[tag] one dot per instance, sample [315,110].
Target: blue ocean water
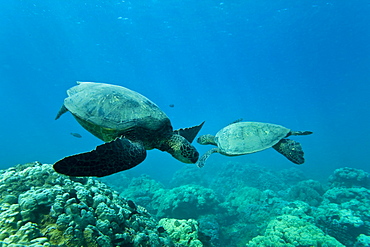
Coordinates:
[301,64]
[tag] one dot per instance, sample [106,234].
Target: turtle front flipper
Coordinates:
[202,160]
[115,156]
[291,149]
[207,140]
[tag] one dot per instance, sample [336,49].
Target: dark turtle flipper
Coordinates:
[189,133]
[290,149]
[118,155]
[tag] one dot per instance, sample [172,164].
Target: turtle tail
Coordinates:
[62,110]
[202,160]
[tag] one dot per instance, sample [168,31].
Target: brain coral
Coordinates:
[43,208]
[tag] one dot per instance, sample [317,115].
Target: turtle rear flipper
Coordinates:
[300,133]
[291,149]
[62,110]
[189,133]
[118,155]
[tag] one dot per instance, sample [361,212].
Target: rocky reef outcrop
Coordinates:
[233,206]
[290,231]
[42,208]
[248,205]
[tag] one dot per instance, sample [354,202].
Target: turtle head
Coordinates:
[180,148]
[206,140]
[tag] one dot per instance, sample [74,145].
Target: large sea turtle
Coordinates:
[128,122]
[249,137]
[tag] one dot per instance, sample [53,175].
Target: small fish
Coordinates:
[171,105]
[131,204]
[76,135]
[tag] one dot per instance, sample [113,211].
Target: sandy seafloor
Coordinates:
[234,204]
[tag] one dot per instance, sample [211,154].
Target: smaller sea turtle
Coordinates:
[241,138]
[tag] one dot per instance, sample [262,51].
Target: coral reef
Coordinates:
[349,177]
[252,205]
[42,207]
[39,207]
[248,210]
[309,191]
[234,175]
[344,214]
[187,201]
[184,202]
[238,203]
[239,198]
[209,230]
[299,209]
[117,181]
[362,241]
[183,232]
[142,190]
[289,231]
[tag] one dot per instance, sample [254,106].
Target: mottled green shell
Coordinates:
[109,111]
[249,137]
